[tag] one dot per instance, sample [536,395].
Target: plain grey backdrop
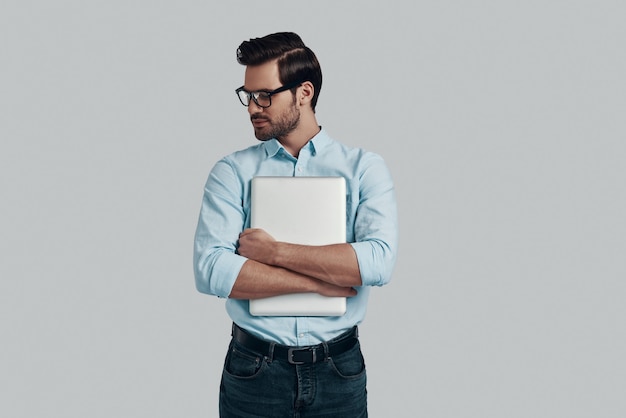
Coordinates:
[502,123]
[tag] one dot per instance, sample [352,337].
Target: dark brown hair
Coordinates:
[296,61]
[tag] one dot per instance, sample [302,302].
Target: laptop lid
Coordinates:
[300,210]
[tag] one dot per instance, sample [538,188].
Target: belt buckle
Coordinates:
[291,351]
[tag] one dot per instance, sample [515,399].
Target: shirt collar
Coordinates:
[272,146]
[316,144]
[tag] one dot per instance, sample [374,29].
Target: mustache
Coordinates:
[257,116]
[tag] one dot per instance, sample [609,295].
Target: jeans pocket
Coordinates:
[349,365]
[242,363]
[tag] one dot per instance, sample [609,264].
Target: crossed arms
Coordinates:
[276,268]
[251,264]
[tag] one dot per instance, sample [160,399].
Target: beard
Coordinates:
[278,127]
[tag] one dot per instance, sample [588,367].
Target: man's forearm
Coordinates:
[257,280]
[336,264]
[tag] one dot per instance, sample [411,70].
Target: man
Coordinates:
[260,377]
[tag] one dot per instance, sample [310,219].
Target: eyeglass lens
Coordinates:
[261,98]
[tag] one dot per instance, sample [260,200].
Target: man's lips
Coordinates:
[258,122]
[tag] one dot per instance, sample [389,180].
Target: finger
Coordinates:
[249,231]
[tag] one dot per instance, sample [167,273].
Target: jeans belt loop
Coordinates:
[326,351]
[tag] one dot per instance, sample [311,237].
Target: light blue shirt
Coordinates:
[371,229]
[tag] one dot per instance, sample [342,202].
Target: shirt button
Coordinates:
[299,169]
[301,335]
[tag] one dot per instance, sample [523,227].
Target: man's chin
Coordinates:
[261,136]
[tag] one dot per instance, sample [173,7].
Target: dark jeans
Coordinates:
[254,385]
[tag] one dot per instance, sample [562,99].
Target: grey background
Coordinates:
[502,123]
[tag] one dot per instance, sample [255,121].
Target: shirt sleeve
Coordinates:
[221,220]
[376,223]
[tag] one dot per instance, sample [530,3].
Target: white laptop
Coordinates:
[300,210]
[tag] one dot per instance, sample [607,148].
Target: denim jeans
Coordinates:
[254,385]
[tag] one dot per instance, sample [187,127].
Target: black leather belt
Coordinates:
[296,355]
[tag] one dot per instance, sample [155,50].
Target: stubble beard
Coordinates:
[280,127]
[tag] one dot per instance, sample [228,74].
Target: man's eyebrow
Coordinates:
[258,90]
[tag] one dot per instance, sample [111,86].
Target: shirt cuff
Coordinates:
[225,272]
[372,264]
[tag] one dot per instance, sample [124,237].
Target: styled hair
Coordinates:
[296,61]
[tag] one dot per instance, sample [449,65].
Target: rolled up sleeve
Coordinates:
[221,220]
[376,224]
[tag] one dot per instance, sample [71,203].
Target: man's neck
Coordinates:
[298,138]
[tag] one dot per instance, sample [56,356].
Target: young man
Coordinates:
[287,366]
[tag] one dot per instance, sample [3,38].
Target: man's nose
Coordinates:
[254,108]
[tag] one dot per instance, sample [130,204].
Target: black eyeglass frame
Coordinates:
[255,94]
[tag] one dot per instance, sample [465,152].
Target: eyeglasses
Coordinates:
[262,98]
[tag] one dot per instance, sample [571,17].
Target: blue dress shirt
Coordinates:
[371,229]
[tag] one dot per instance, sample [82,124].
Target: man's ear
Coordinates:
[305,93]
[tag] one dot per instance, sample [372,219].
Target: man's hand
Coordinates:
[257,245]
[330,290]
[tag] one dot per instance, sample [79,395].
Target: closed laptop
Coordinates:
[300,210]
